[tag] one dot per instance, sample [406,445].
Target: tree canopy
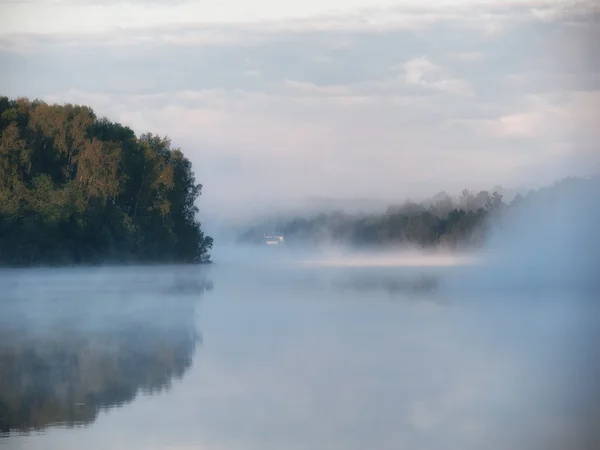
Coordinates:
[461,223]
[75,188]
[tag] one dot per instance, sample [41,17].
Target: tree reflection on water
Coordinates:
[71,350]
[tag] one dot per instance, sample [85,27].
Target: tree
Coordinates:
[494,203]
[78,189]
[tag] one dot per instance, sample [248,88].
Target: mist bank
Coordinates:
[463,223]
[549,242]
[78,189]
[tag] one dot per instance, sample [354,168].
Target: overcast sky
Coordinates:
[338,98]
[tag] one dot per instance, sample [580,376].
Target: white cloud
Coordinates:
[538,118]
[308,87]
[252,72]
[417,69]
[528,124]
[420,71]
[583,112]
[73,16]
[468,56]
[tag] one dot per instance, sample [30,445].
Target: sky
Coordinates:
[278,101]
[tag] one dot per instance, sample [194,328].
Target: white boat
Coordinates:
[273,239]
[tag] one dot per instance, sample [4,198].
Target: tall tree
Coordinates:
[75,188]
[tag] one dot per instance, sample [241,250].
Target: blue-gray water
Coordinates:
[274,356]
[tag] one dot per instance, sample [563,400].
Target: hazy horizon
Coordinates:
[275,103]
[422,328]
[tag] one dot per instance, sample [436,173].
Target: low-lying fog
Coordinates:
[273,348]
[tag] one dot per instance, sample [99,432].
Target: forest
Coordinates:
[78,189]
[460,223]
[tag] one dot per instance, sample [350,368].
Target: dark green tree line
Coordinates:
[439,221]
[75,188]
[409,224]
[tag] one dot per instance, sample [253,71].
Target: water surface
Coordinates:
[255,356]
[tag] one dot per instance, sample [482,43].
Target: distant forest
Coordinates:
[78,189]
[463,223]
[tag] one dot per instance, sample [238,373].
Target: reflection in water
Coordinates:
[71,346]
[294,358]
[395,286]
[402,283]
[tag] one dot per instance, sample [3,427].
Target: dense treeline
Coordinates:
[440,221]
[78,189]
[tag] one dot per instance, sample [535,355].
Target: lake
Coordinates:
[244,355]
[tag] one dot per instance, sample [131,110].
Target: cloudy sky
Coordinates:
[282,100]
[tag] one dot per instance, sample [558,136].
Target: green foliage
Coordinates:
[437,222]
[78,189]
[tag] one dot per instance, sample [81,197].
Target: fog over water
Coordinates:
[295,108]
[271,348]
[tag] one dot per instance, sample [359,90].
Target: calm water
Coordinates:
[250,356]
